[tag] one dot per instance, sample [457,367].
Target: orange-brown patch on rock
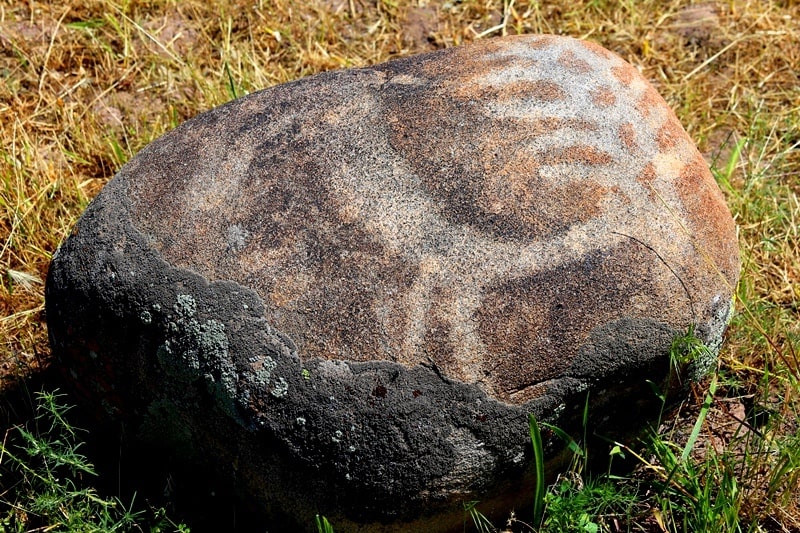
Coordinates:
[508,185]
[535,128]
[627,135]
[519,195]
[546,91]
[513,188]
[577,153]
[625,73]
[603,97]
[596,49]
[573,62]
[349,214]
[670,133]
[646,179]
[709,217]
[648,101]
[532,128]
[571,208]
[465,79]
[287,293]
[467,64]
[580,124]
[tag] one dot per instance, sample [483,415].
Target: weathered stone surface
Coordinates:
[350,290]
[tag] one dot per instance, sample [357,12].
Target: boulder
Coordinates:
[349,291]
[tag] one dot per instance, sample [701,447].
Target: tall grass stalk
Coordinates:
[538,460]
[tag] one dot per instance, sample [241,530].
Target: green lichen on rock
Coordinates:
[280,388]
[261,375]
[195,350]
[183,365]
[185,306]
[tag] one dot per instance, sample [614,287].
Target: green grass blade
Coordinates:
[232,92]
[573,446]
[482,524]
[538,459]
[698,425]
[323,526]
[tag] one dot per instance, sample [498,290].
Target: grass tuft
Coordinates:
[50,480]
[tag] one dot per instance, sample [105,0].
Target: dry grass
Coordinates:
[84,86]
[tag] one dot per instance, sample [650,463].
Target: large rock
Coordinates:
[350,290]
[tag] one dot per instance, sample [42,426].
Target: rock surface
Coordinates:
[350,290]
